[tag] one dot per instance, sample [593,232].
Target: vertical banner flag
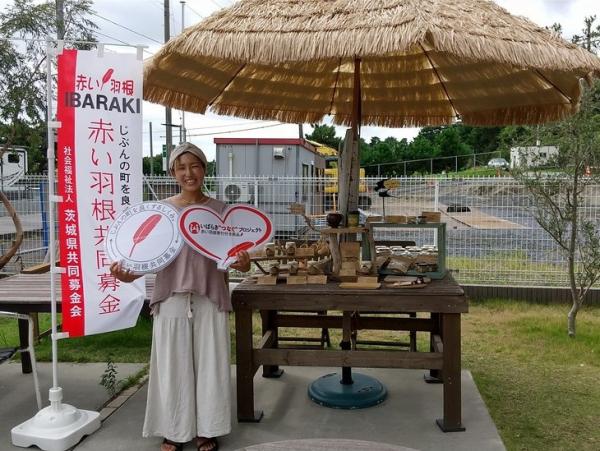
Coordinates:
[99,158]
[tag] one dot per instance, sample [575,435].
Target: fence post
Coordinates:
[43,196]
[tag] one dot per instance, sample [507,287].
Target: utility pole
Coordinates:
[167,24]
[60,19]
[182,129]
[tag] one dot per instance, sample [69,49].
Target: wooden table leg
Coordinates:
[434,376]
[452,421]
[24,343]
[245,367]
[268,322]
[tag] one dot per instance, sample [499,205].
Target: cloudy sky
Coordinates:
[141,22]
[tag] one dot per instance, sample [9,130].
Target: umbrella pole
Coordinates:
[350,203]
[352,391]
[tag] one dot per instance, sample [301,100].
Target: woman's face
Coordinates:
[189,172]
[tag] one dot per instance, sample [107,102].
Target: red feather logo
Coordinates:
[240,247]
[144,230]
[106,77]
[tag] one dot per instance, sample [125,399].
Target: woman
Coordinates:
[189,383]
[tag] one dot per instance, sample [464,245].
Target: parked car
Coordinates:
[498,163]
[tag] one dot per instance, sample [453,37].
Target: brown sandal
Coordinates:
[178,446]
[207,444]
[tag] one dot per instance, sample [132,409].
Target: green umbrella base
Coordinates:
[365,391]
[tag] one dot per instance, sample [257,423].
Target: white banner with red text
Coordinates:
[99,156]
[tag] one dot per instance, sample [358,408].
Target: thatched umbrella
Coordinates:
[394,63]
[410,62]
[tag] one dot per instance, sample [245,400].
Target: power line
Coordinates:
[192,10]
[215,3]
[235,131]
[209,127]
[118,40]
[126,28]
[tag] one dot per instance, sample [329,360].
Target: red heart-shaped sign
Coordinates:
[221,236]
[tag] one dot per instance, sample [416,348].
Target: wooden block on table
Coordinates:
[359,285]
[266,280]
[296,280]
[350,265]
[426,259]
[432,216]
[396,219]
[317,280]
[367,279]
[343,278]
[350,249]
[305,252]
[374,218]
[348,271]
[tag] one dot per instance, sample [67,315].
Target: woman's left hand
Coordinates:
[242,263]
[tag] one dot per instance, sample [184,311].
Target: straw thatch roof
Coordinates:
[423,62]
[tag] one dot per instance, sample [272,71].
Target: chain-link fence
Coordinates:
[492,236]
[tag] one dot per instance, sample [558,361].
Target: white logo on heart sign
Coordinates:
[221,236]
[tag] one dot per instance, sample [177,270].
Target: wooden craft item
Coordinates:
[322,249]
[297,209]
[347,272]
[360,286]
[405,285]
[293,268]
[365,269]
[274,270]
[305,252]
[432,216]
[364,279]
[296,280]
[317,280]
[266,280]
[397,219]
[426,259]
[350,250]
[342,278]
[392,279]
[350,265]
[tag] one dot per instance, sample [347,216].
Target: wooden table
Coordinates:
[30,293]
[443,300]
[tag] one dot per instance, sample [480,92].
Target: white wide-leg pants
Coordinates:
[189,382]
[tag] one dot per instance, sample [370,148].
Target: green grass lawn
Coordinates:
[540,386]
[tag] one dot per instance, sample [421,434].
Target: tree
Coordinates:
[325,134]
[559,199]
[590,39]
[23,107]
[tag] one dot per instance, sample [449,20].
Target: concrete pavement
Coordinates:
[405,419]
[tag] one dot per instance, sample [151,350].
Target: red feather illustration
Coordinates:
[240,247]
[106,77]
[144,230]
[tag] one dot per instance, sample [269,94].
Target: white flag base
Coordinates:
[57,427]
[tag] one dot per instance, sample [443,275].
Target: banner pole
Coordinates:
[58,426]
[51,212]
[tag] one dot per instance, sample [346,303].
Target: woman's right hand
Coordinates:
[124,275]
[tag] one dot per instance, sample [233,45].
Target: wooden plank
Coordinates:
[245,367]
[317,280]
[451,371]
[370,358]
[362,323]
[267,340]
[266,280]
[296,280]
